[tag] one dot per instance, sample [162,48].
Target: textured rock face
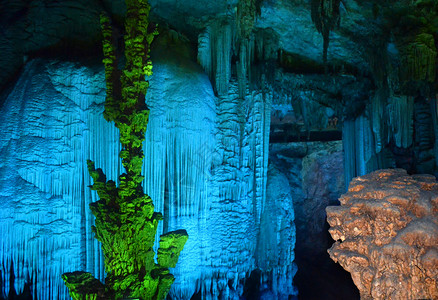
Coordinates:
[277,234]
[51,122]
[322,179]
[68,24]
[386,233]
[205,168]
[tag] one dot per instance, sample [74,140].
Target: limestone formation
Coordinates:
[386,233]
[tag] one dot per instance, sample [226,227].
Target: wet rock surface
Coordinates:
[386,233]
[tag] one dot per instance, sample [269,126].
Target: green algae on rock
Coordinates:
[126,223]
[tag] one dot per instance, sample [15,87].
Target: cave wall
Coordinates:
[50,124]
[382,94]
[400,132]
[206,164]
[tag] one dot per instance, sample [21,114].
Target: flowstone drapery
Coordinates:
[126,223]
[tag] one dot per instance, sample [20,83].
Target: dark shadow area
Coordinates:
[26,294]
[319,277]
[7,87]
[286,133]
[253,289]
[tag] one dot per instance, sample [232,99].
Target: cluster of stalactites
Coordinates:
[391,119]
[404,67]
[215,45]
[386,120]
[325,15]
[418,58]
[246,16]
[232,35]
[126,223]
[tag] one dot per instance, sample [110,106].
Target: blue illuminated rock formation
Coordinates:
[219,104]
[50,124]
[205,167]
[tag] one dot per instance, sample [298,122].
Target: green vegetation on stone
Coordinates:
[126,223]
[414,26]
[83,286]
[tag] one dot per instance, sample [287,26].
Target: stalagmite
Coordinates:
[386,234]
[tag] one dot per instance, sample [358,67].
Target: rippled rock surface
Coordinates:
[386,233]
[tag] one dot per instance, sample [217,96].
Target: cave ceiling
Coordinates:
[36,27]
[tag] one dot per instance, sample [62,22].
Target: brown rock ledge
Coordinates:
[386,233]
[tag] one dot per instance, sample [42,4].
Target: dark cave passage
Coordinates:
[318,277]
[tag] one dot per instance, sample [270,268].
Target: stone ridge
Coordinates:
[386,233]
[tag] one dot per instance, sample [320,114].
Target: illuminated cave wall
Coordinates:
[205,168]
[51,123]
[400,132]
[222,103]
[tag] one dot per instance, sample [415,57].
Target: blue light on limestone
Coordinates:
[205,168]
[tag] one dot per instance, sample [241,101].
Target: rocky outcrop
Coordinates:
[386,233]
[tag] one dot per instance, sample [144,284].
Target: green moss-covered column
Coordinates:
[126,223]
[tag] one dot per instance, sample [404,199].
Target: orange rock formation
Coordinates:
[386,233]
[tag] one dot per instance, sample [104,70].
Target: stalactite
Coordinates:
[377,113]
[227,36]
[360,155]
[215,50]
[246,16]
[348,143]
[360,135]
[240,177]
[205,58]
[246,56]
[401,109]
[232,196]
[325,15]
